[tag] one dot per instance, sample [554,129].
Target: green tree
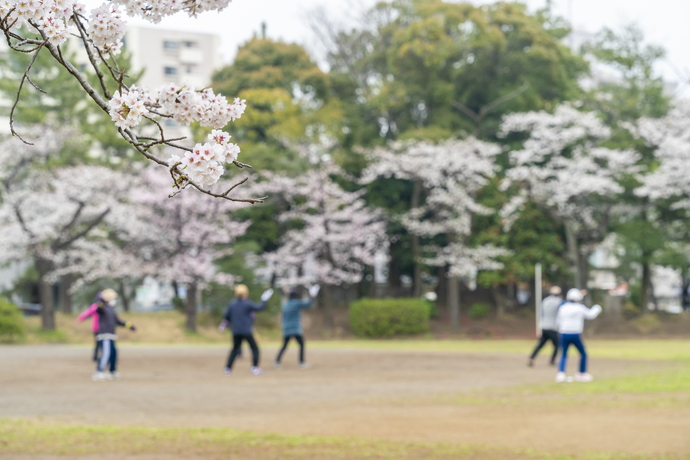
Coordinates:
[429,69]
[638,92]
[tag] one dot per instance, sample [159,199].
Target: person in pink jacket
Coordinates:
[92,312]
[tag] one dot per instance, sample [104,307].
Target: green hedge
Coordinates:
[388,317]
[11,322]
[479,310]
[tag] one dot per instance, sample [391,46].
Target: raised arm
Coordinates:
[268,293]
[591,313]
[88,312]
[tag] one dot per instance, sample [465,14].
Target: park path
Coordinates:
[380,394]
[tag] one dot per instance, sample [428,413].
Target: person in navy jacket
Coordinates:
[240,315]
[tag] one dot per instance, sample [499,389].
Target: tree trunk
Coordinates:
[191,307]
[45,294]
[500,301]
[583,269]
[417,268]
[329,323]
[65,298]
[645,285]
[394,271]
[123,294]
[442,286]
[454,302]
[573,255]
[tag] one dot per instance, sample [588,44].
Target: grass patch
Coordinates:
[21,437]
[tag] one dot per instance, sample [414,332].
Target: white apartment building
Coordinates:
[173,56]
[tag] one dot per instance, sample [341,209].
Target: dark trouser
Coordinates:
[237,347]
[286,339]
[566,341]
[97,348]
[547,335]
[108,355]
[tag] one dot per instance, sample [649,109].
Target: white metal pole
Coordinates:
[537,297]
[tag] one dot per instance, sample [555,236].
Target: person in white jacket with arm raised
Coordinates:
[571,320]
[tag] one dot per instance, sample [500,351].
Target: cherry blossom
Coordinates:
[338,235]
[670,138]
[138,113]
[563,168]
[452,173]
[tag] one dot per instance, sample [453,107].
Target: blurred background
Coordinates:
[439,152]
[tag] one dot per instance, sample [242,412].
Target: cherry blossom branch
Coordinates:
[89,53]
[58,246]
[101,36]
[24,78]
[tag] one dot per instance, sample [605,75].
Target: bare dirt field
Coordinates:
[429,397]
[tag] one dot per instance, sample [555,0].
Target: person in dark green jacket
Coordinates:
[292,322]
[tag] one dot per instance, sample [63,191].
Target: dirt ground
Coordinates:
[410,396]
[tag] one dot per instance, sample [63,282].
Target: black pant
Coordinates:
[237,347]
[546,336]
[300,341]
[97,348]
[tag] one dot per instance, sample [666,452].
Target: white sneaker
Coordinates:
[115,375]
[256,371]
[227,371]
[304,365]
[276,365]
[561,377]
[100,377]
[583,377]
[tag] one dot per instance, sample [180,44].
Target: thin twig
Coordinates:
[89,53]
[19,93]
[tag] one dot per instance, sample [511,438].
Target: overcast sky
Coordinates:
[665,22]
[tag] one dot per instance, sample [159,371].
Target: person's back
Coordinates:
[571,317]
[239,315]
[108,320]
[549,310]
[292,316]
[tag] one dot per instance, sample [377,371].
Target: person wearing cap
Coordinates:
[292,322]
[240,315]
[549,330]
[571,320]
[106,337]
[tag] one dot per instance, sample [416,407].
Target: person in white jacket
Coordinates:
[571,320]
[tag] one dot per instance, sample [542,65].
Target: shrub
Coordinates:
[479,310]
[388,317]
[11,322]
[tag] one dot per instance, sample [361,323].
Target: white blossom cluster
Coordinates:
[49,16]
[340,234]
[451,173]
[670,138]
[183,103]
[562,167]
[106,29]
[155,10]
[187,105]
[129,107]
[205,163]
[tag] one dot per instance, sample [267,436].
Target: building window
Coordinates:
[169,45]
[170,70]
[189,68]
[189,44]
